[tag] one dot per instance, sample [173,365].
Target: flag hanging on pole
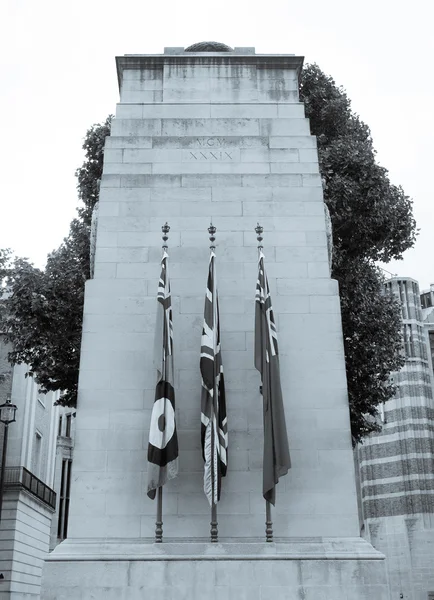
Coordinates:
[163,439]
[214,429]
[276,451]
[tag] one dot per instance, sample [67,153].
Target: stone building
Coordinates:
[31,476]
[397,466]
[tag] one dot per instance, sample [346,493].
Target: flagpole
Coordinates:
[159,520]
[268,521]
[214,523]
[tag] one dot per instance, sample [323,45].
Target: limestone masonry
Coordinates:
[221,136]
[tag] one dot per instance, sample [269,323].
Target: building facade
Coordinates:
[396,467]
[29,500]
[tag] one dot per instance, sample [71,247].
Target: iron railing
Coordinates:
[20,477]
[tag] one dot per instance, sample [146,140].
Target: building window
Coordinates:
[65,486]
[405,340]
[402,300]
[59,431]
[409,346]
[411,337]
[407,303]
[422,342]
[425,300]
[431,344]
[68,426]
[37,452]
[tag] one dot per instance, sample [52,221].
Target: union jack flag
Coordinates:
[214,427]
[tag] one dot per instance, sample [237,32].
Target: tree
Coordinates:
[372,220]
[41,313]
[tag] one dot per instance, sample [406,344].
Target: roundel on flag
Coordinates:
[162,425]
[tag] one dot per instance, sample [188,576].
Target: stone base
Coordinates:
[299,569]
[408,543]
[24,543]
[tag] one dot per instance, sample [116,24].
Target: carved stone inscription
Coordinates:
[212,149]
[214,142]
[217,153]
[209,142]
[210,155]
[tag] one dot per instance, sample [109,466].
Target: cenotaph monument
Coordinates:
[212,133]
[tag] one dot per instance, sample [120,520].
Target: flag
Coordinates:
[214,428]
[163,439]
[276,451]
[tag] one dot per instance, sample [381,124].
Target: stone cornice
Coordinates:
[156,61]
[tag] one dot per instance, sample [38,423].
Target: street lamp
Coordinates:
[7,415]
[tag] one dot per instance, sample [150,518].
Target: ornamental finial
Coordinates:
[165,229]
[259,237]
[211,231]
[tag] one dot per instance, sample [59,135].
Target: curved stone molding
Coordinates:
[209,47]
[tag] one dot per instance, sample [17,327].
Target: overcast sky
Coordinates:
[58,77]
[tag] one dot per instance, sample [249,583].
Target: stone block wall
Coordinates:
[222,138]
[25,534]
[408,544]
[220,579]
[218,137]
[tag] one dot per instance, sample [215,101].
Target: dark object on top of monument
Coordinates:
[209,47]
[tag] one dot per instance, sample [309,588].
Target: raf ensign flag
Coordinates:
[276,451]
[214,428]
[163,440]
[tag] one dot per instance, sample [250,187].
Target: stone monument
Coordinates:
[217,133]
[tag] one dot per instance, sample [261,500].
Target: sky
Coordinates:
[58,78]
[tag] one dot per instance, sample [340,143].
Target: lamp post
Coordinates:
[7,415]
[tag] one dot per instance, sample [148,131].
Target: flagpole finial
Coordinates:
[259,237]
[211,231]
[165,229]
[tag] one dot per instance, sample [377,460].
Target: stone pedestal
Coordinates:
[220,136]
[308,569]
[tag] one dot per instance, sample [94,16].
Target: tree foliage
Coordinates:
[372,220]
[89,174]
[42,310]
